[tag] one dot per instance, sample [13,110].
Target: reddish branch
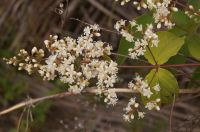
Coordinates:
[162,66]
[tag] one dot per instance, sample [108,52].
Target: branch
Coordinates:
[33,101]
[30,102]
[162,66]
[85,23]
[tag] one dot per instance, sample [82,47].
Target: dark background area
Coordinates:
[27,23]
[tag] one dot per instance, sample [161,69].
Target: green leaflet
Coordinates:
[178,31]
[166,80]
[169,45]
[194,3]
[184,23]
[124,45]
[193,44]
[180,57]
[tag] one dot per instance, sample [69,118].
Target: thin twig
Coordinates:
[33,101]
[171,114]
[20,120]
[85,23]
[64,15]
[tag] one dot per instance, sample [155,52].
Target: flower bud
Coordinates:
[34,50]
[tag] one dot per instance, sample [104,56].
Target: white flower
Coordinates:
[161,14]
[131,85]
[132,101]
[132,116]
[139,28]
[141,115]
[131,110]
[140,44]
[119,24]
[123,2]
[126,118]
[157,87]
[111,97]
[127,35]
[153,105]
[133,23]
[150,105]
[51,61]
[146,92]
[87,31]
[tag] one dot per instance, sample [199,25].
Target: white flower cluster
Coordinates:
[111,97]
[153,105]
[144,89]
[74,61]
[140,86]
[131,109]
[120,26]
[161,10]
[148,37]
[162,13]
[26,62]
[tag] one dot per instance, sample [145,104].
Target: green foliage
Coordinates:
[39,113]
[184,23]
[178,31]
[194,3]
[10,90]
[193,44]
[166,80]
[145,19]
[177,59]
[124,45]
[169,45]
[5,53]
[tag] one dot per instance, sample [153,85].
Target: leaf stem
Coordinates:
[152,55]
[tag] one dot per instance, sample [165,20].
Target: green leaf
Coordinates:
[179,58]
[178,31]
[195,4]
[166,80]
[183,22]
[193,43]
[124,45]
[168,46]
[145,19]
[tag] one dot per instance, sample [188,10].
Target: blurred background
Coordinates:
[27,23]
